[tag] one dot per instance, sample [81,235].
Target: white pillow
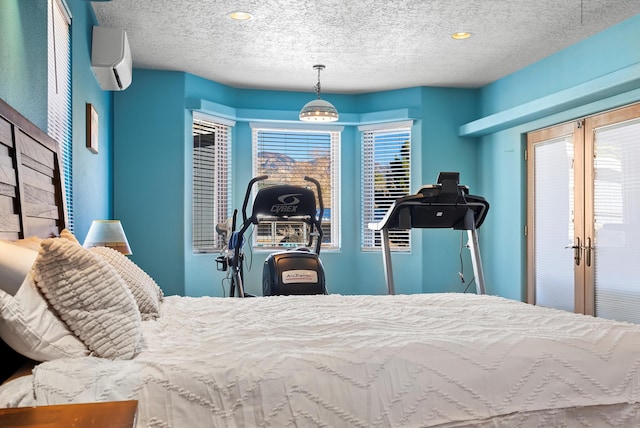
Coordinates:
[90,297]
[32,243]
[29,326]
[144,288]
[15,263]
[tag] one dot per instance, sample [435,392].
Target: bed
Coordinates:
[92,326]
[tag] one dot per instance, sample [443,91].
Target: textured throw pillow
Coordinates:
[66,234]
[29,326]
[144,288]
[90,297]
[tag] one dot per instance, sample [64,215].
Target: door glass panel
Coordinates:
[554,223]
[617,221]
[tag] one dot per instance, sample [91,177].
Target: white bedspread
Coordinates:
[445,360]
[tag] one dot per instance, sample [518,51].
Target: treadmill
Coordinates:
[444,205]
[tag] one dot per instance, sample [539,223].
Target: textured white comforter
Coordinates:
[365,361]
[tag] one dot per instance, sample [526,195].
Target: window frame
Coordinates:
[371,139]
[331,202]
[218,159]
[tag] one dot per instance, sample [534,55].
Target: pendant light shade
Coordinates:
[318,110]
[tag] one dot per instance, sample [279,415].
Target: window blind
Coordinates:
[616,210]
[386,176]
[554,223]
[59,113]
[211,183]
[287,156]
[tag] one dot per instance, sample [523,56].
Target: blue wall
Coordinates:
[142,172]
[152,170]
[600,73]
[150,124]
[23,67]
[23,58]
[92,173]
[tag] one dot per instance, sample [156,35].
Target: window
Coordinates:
[386,176]
[211,182]
[287,156]
[59,119]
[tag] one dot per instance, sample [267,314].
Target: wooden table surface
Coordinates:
[111,414]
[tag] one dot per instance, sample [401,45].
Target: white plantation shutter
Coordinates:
[286,156]
[59,117]
[211,182]
[386,176]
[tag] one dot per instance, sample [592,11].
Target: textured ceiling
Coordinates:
[366,45]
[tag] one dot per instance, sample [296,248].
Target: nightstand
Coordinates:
[110,414]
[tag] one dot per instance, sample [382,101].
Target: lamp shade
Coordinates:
[107,233]
[319,111]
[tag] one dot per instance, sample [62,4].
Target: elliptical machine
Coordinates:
[296,271]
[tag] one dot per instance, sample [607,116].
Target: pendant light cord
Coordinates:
[317,87]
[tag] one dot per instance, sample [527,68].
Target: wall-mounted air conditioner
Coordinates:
[111,58]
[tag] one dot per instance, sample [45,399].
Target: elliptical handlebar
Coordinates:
[248,193]
[320,214]
[317,184]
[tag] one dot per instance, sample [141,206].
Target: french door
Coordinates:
[583,216]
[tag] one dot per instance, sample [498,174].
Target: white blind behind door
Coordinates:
[617,221]
[554,225]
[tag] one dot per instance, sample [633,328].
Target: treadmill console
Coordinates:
[446,204]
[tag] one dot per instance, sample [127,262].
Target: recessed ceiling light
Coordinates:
[239,15]
[461,35]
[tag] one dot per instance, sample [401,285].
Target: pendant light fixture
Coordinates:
[318,110]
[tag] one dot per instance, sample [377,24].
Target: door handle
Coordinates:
[576,250]
[587,250]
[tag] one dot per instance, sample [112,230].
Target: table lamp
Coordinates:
[107,233]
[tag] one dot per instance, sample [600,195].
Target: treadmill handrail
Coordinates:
[395,206]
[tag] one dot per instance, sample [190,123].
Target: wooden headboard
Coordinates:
[31,196]
[31,193]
